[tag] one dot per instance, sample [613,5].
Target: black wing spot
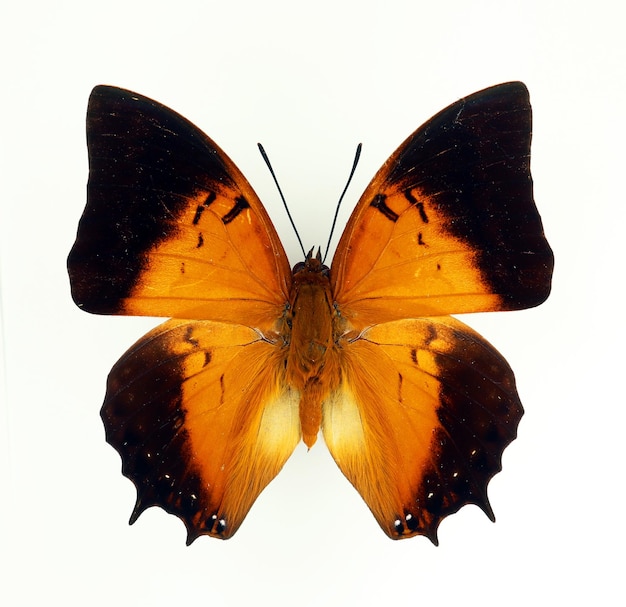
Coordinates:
[417,204]
[240,204]
[420,240]
[196,217]
[190,339]
[200,209]
[432,335]
[379,203]
[200,241]
[222,389]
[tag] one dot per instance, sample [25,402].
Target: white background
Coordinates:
[310,81]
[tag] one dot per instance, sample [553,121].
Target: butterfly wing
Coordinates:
[425,409]
[203,420]
[198,410]
[448,224]
[167,213]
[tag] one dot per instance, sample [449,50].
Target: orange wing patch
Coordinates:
[422,432]
[445,268]
[203,420]
[415,407]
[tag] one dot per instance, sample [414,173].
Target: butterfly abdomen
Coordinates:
[312,361]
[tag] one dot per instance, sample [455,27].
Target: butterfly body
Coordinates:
[312,365]
[414,406]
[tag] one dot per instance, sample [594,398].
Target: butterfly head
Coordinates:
[312,264]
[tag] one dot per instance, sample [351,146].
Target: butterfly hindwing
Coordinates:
[203,420]
[419,424]
[448,225]
[166,214]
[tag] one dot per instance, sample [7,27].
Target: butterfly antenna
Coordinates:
[293,225]
[357,155]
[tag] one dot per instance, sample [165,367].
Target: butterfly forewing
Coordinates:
[166,214]
[448,225]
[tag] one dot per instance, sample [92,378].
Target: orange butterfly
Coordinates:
[415,407]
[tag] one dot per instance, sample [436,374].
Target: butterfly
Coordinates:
[415,407]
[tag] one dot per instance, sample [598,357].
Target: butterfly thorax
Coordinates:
[312,360]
